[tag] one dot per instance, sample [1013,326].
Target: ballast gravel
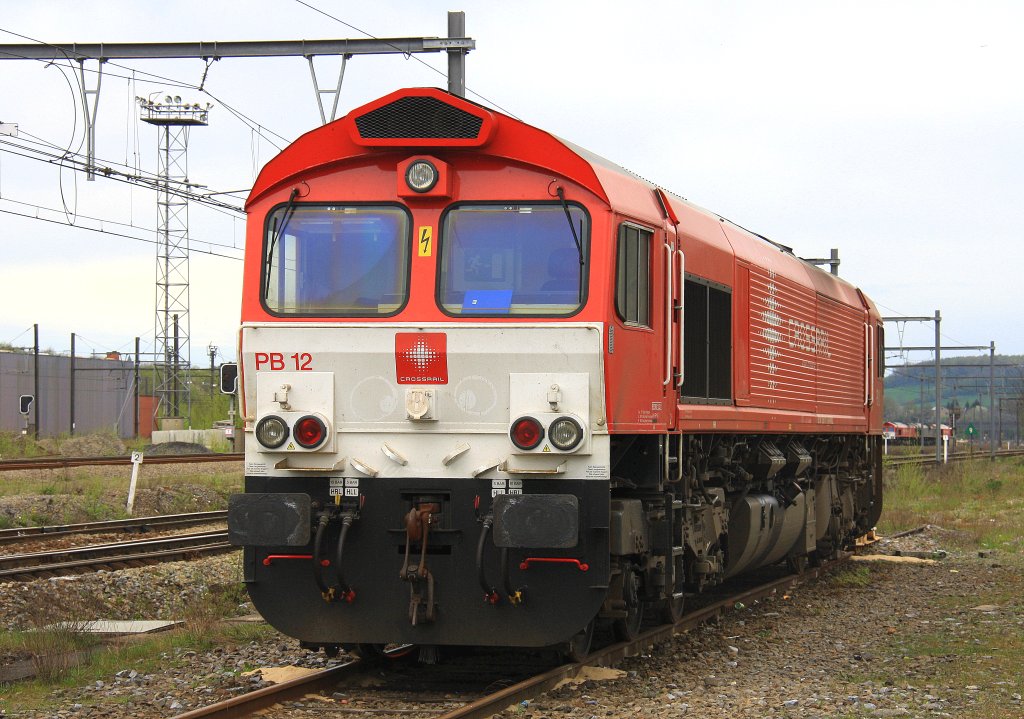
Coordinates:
[825,649]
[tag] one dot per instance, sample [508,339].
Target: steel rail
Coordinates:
[897,461]
[248,704]
[135,525]
[25,567]
[8,465]
[535,686]
[908,532]
[67,462]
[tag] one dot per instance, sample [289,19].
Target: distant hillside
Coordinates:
[964,381]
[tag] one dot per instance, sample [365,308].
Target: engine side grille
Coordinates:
[418,118]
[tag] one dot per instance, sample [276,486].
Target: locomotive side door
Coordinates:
[641,356]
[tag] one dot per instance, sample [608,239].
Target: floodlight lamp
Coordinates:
[177,99]
[167,99]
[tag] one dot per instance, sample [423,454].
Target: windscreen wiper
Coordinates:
[275,232]
[560,191]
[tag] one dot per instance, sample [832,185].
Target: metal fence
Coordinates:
[103,394]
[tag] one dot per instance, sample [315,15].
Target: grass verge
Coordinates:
[981,502]
[202,630]
[970,650]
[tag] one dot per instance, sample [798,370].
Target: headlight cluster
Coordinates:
[565,433]
[308,431]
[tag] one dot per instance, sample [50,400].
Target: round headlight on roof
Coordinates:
[421,176]
[565,433]
[271,432]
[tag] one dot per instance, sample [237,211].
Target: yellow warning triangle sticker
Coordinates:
[291,445]
[547,448]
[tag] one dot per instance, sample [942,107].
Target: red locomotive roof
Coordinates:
[433,118]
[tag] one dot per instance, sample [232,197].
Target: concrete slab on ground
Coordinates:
[109,626]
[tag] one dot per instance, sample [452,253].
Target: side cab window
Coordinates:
[633,275]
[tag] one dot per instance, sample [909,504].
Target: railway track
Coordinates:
[112,556]
[136,525]
[66,462]
[896,461]
[293,698]
[8,465]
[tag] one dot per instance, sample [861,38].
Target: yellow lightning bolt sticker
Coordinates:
[426,238]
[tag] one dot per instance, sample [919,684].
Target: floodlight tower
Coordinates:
[173,119]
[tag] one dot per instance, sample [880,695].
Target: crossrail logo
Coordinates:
[421,357]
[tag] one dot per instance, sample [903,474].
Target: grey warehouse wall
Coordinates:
[103,394]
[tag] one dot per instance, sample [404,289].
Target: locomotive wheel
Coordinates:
[380,652]
[369,652]
[672,609]
[627,629]
[797,563]
[825,552]
[577,648]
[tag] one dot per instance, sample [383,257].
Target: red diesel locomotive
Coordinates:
[497,389]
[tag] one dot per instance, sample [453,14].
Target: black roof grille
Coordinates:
[419,118]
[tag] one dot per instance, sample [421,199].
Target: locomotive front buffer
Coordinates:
[377,545]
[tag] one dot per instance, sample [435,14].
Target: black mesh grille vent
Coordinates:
[418,117]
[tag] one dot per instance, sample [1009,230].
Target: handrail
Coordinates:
[679,314]
[668,315]
[867,365]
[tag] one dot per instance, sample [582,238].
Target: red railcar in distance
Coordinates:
[901,432]
[498,389]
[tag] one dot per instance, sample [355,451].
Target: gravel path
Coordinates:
[841,646]
[831,648]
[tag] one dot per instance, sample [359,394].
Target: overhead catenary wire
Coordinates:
[417,59]
[116,234]
[11,341]
[135,170]
[167,81]
[108,166]
[113,174]
[68,213]
[27,137]
[117,223]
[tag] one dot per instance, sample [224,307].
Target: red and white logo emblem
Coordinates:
[421,357]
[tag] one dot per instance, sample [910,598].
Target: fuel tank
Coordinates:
[763,532]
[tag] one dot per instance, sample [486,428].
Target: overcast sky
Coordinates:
[891,130]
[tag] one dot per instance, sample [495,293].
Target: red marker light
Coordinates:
[526,433]
[310,431]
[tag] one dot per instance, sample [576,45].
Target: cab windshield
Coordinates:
[499,260]
[343,261]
